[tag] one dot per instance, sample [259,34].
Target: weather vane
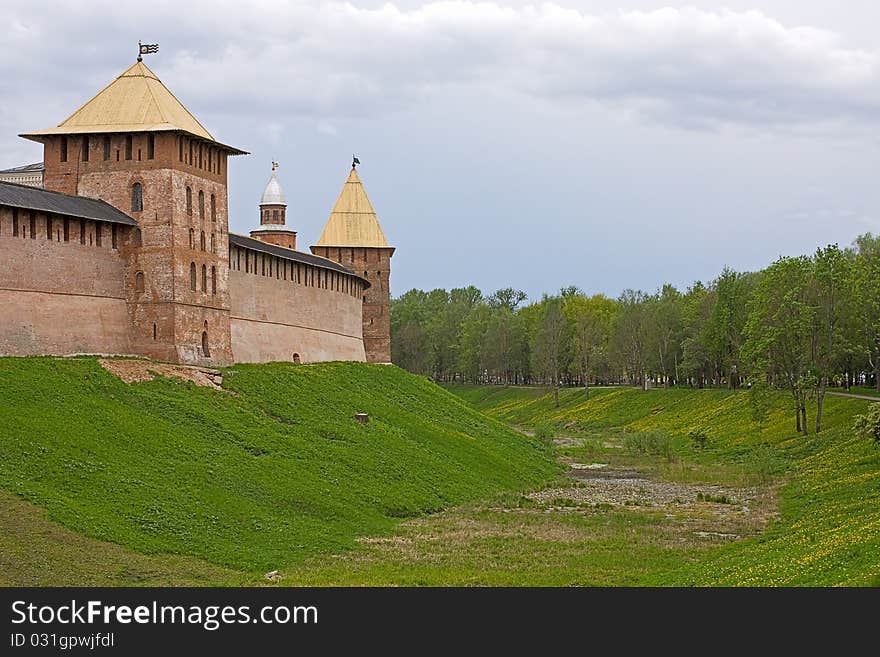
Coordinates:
[275,165]
[146,49]
[354,161]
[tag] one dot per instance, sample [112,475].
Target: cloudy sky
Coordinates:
[604,144]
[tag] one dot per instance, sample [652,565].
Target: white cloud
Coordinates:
[334,60]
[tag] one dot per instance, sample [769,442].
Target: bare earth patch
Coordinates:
[627,487]
[136,371]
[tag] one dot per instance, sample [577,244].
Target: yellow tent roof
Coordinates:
[136,101]
[353,222]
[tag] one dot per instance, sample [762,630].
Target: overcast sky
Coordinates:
[601,144]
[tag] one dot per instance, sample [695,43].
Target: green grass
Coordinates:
[262,476]
[828,530]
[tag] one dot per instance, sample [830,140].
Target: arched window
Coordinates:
[189,201]
[139,282]
[192,276]
[137,197]
[155,332]
[201,204]
[205,351]
[151,146]
[204,278]
[202,241]
[180,148]
[265,215]
[192,238]
[213,280]
[213,208]
[296,359]
[63,153]
[213,243]
[127,147]
[275,216]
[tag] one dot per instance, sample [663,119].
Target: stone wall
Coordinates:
[275,318]
[61,297]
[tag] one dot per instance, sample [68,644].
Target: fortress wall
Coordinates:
[61,297]
[273,318]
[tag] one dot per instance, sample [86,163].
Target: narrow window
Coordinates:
[190,153]
[192,238]
[85,148]
[200,156]
[213,280]
[202,241]
[66,229]
[139,285]
[151,146]
[113,236]
[213,208]
[139,155]
[14,222]
[201,205]
[213,243]
[128,144]
[33,220]
[82,231]
[180,148]
[205,351]
[192,276]
[49,227]
[98,235]
[263,265]
[247,263]
[117,155]
[137,197]
[136,237]
[155,332]
[189,201]
[204,278]
[106,147]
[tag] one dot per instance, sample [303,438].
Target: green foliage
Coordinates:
[545,432]
[760,399]
[259,477]
[655,442]
[867,425]
[699,438]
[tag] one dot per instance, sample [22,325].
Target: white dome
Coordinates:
[273,194]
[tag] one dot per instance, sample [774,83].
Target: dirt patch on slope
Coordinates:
[135,371]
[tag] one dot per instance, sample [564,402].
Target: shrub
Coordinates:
[699,438]
[867,425]
[545,432]
[655,442]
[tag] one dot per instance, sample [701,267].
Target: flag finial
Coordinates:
[354,161]
[275,165]
[146,49]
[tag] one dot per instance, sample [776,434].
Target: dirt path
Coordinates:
[854,396]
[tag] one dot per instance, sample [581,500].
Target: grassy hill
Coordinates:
[262,475]
[828,529]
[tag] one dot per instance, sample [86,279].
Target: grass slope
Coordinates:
[828,532]
[260,477]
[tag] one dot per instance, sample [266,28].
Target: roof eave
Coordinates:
[40,135]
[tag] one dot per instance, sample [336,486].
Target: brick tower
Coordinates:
[135,146]
[354,238]
[273,210]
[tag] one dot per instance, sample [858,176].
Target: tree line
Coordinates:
[803,324]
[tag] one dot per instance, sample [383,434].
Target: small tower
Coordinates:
[353,238]
[273,210]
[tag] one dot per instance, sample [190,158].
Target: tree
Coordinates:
[630,335]
[549,343]
[664,332]
[727,320]
[592,319]
[866,287]
[507,298]
[778,330]
[830,287]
